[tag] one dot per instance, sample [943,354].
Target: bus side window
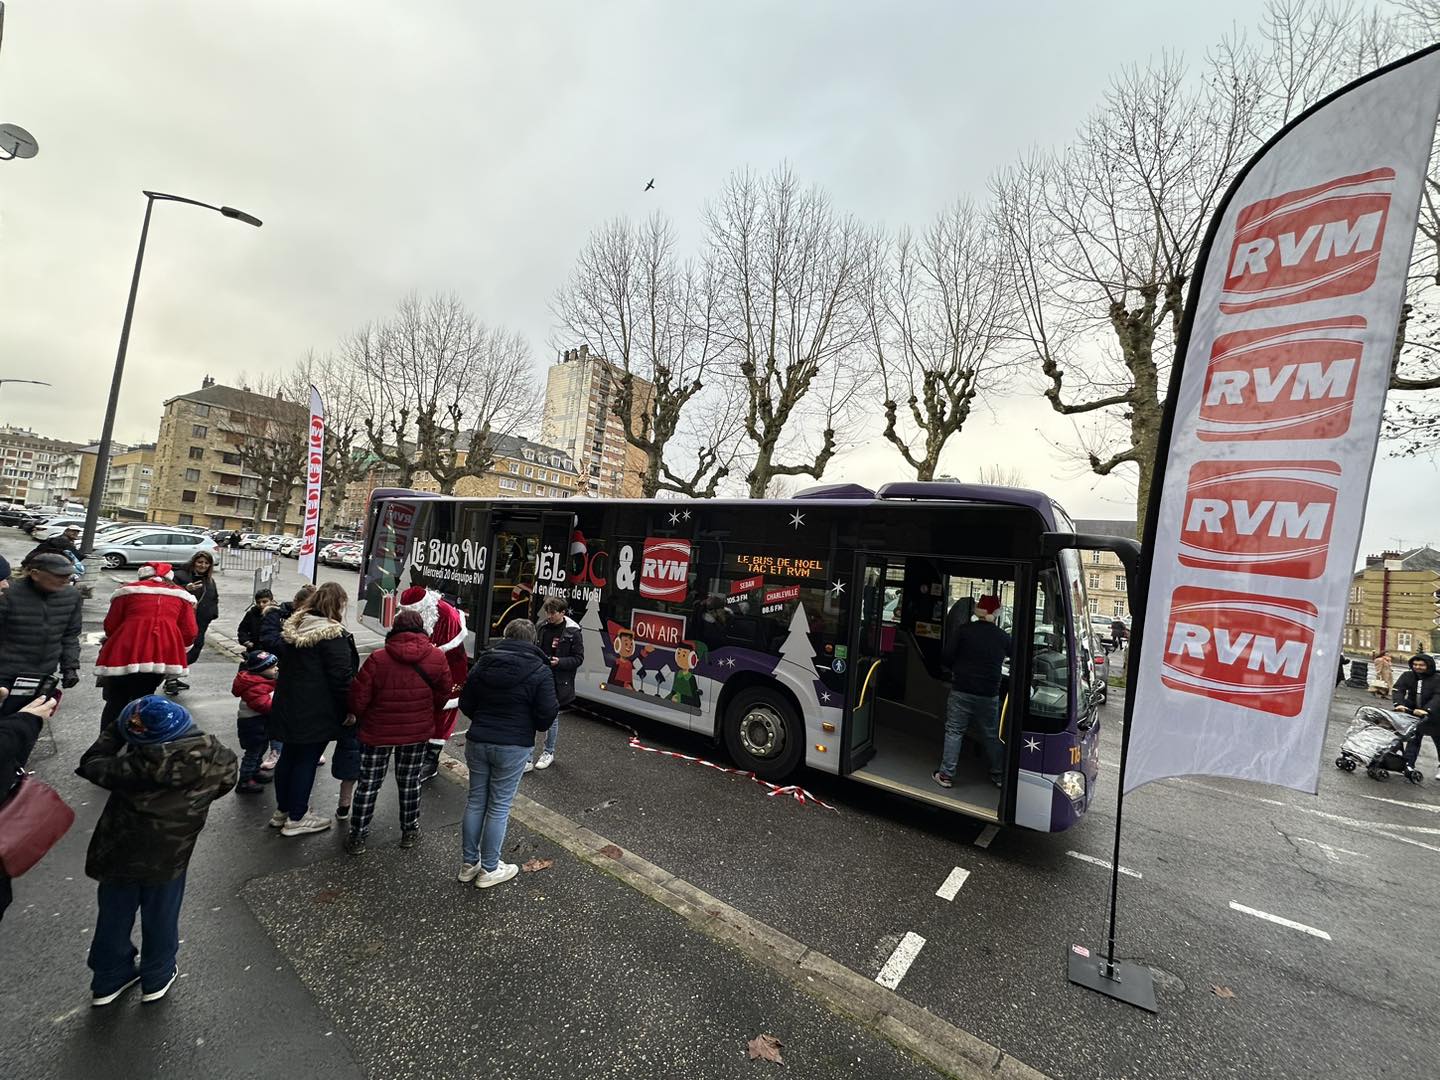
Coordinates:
[1050,656]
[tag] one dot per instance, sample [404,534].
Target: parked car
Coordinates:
[290,547]
[55,526]
[344,554]
[1100,625]
[274,541]
[250,540]
[157,544]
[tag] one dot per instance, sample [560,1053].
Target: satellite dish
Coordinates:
[15,142]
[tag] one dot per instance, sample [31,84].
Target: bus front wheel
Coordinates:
[763,734]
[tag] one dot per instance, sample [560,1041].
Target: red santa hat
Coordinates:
[156,569]
[577,543]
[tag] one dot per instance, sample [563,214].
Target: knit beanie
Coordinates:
[153,719]
[258,660]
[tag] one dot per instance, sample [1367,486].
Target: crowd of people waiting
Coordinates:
[301,690]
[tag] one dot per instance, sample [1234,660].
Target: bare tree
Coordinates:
[1102,241]
[271,438]
[440,388]
[1000,476]
[340,386]
[633,302]
[938,309]
[788,273]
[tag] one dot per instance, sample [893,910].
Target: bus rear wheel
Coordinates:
[763,734]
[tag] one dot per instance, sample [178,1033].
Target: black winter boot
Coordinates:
[431,768]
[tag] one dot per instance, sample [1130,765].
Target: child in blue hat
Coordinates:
[162,773]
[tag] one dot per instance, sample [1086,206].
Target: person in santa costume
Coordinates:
[445,625]
[148,631]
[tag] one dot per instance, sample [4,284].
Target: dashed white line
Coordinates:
[1402,802]
[1291,923]
[952,884]
[900,960]
[986,835]
[1105,863]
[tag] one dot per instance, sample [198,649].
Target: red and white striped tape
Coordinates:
[798,793]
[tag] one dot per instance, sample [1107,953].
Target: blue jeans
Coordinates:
[552,736]
[961,710]
[112,953]
[494,778]
[295,776]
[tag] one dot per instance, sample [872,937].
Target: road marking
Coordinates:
[1354,823]
[1103,863]
[900,960]
[952,884]
[1331,853]
[1292,924]
[1402,802]
[986,835]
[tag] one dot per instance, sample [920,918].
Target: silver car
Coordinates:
[158,544]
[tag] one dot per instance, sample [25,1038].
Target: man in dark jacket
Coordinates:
[40,623]
[561,641]
[273,621]
[1417,693]
[64,544]
[975,653]
[509,695]
[162,773]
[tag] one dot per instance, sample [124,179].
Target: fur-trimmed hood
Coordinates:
[305,628]
[155,586]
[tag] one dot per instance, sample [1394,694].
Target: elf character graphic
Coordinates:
[623,673]
[683,688]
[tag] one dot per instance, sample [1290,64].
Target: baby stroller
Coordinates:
[1376,740]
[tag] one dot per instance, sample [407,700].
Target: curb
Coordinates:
[952,1050]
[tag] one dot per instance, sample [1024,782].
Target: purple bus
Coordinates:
[804,631]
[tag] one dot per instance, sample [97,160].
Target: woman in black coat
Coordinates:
[198,578]
[318,661]
[18,733]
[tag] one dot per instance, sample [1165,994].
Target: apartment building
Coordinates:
[1105,584]
[127,483]
[522,469]
[28,465]
[1392,604]
[579,419]
[199,475]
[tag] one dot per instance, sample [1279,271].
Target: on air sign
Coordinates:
[1273,420]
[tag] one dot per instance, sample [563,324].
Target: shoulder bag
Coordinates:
[32,820]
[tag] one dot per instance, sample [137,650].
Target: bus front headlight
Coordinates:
[1072,784]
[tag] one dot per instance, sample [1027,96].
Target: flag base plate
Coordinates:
[1129,982]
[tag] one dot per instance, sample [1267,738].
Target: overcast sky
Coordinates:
[472,146]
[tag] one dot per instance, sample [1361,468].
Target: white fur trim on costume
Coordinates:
[458,639]
[428,610]
[145,669]
[154,586]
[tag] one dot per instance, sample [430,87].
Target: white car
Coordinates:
[272,542]
[157,544]
[250,540]
[290,547]
[57,525]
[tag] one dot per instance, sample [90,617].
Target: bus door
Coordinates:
[528,548]
[871,646]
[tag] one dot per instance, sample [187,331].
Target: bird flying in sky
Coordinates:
[651,184]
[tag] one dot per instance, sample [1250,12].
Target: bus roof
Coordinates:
[902,491]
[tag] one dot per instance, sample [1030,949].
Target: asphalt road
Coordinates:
[1359,863]
[298,960]
[291,949]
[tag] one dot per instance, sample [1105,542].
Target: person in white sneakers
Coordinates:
[318,662]
[562,642]
[509,695]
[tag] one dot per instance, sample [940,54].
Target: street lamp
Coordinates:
[102,456]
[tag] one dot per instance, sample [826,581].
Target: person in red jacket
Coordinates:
[148,631]
[254,685]
[398,699]
[445,623]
